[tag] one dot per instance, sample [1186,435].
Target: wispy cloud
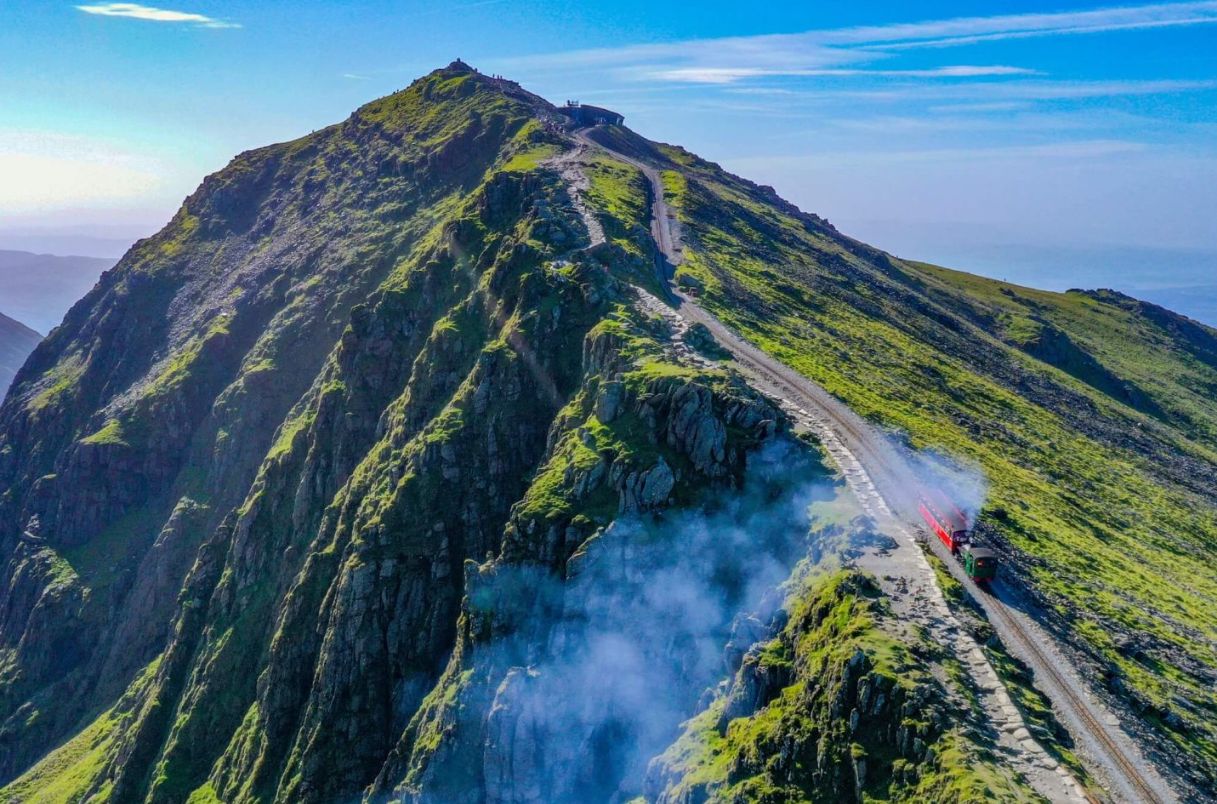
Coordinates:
[1035,90]
[977,98]
[150,14]
[1069,150]
[981,106]
[843,51]
[727,75]
[1068,90]
[968,30]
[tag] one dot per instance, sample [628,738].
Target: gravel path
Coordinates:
[570,165]
[882,482]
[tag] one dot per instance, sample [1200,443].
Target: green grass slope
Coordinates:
[261,492]
[1091,415]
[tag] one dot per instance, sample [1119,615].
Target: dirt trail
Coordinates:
[880,478]
[570,165]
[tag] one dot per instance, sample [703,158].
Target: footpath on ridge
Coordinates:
[881,480]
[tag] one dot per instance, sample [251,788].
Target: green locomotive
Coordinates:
[950,525]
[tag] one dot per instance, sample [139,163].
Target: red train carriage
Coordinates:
[950,525]
[946,521]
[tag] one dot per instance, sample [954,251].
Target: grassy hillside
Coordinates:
[1092,417]
[368,476]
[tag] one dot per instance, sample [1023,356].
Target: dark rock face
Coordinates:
[567,679]
[248,428]
[247,484]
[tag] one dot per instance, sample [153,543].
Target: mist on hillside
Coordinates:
[655,611]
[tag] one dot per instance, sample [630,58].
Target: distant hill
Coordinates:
[39,288]
[16,342]
[1199,302]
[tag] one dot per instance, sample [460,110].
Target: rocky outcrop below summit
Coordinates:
[834,708]
[582,551]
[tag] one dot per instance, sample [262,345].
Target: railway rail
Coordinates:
[1115,757]
[1143,788]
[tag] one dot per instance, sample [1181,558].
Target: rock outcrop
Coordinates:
[833,708]
[271,490]
[371,477]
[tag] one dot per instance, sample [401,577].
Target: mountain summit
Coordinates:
[407,462]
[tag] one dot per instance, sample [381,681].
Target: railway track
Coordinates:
[1144,790]
[1136,783]
[891,481]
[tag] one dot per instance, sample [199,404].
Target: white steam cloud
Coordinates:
[653,613]
[593,675]
[964,484]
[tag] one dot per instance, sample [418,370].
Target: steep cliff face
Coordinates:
[270,488]
[236,388]
[370,476]
[588,640]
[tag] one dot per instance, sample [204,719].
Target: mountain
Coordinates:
[39,288]
[385,471]
[16,342]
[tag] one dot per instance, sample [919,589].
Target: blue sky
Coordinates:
[923,129]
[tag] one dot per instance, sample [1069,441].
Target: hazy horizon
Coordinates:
[1056,147]
[1181,279]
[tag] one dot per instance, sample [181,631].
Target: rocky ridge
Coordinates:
[386,482]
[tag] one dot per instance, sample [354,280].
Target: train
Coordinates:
[950,525]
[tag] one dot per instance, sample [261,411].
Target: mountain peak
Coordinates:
[392,410]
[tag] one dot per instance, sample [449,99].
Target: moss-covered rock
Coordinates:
[834,708]
[331,488]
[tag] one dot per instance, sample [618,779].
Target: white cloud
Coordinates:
[1064,90]
[841,51]
[977,97]
[727,75]
[967,30]
[981,106]
[1033,90]
[991,155]
[138,12]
